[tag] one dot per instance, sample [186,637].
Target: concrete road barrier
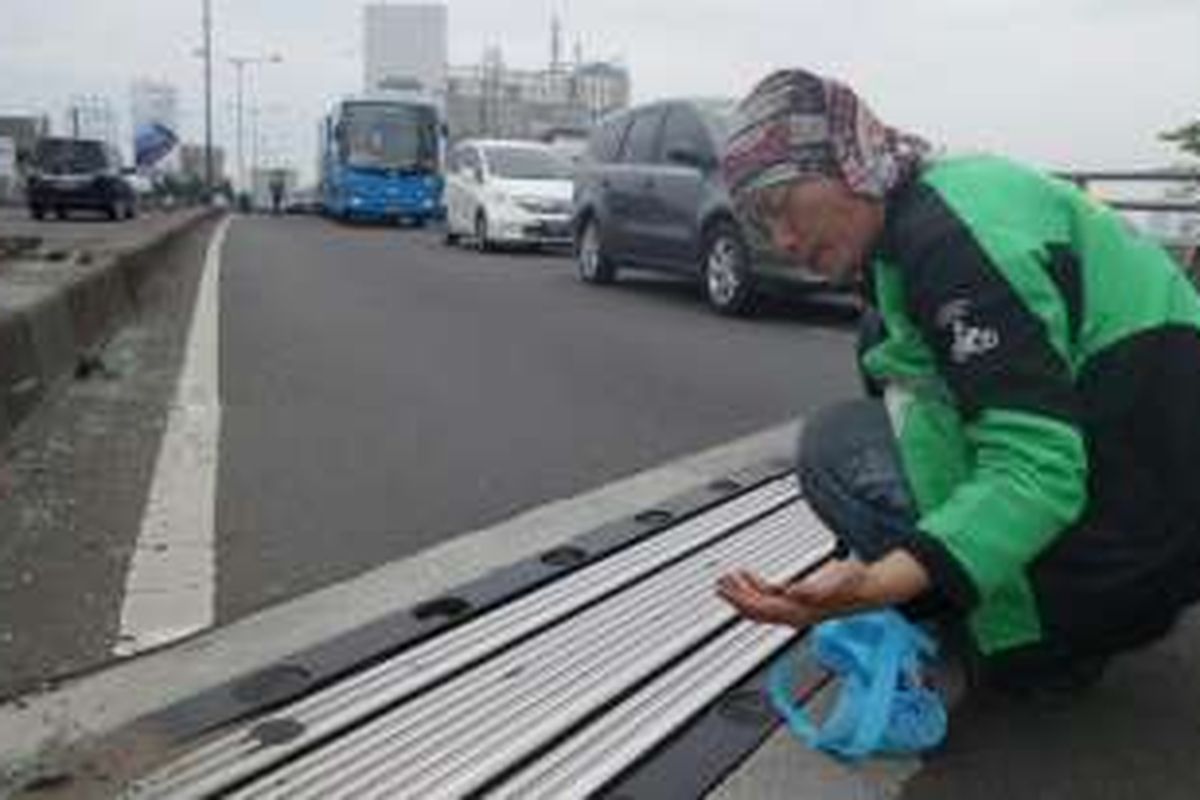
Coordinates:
[58,306]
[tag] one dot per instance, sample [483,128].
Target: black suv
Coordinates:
[70,174]
[649,194]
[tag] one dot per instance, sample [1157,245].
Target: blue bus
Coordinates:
[380,160]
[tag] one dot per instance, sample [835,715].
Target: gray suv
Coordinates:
[649,194]
[74,174]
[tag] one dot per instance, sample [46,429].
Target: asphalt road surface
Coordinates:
[380,394]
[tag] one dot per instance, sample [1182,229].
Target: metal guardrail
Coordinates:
[1084,179]
[1186,250]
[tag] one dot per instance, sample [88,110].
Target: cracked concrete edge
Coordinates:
[34,728]
[48,323]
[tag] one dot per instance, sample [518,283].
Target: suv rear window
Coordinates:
[605,144]
[60,156]
[683,130]
[641,145]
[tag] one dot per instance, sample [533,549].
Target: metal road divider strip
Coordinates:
[586,762]
[239,754]
[455,739]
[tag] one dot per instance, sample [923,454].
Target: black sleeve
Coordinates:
[991,348]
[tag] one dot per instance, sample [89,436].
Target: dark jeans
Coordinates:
[849,468]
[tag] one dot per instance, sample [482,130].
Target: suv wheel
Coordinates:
[37,212]
[591,262]
[727,280]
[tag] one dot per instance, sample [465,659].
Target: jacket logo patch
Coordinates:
[968,340]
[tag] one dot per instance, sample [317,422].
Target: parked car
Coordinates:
[649,194]
[508,192]
[78,174]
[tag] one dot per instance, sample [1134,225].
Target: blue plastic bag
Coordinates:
[884,706]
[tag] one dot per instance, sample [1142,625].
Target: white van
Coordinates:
[508,192]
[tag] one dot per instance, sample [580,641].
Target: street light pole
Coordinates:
[253,137]
[241,62]
[208,145]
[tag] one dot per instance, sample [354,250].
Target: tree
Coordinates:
[1186,137]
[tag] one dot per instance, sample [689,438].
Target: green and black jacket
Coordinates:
[1042,364]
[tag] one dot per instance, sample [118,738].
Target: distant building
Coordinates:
[405,48]
[91,117]
[24,131]
[191,163]
[601,88]
[8,170]
[491,100]
[261,179]
[19,133]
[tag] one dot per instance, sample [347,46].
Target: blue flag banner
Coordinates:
[151,143]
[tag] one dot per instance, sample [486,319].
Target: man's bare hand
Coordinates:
[834,589]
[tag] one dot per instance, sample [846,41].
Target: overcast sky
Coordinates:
[1084,83]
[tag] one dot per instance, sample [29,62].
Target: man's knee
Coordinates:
[830,439]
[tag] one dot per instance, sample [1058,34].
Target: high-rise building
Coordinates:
[405,48]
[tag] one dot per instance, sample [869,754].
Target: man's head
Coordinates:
[820,223]
[810,165]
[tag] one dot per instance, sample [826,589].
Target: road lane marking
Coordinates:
[169,588]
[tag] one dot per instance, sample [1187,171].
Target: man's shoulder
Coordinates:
[973,168]
[960,196]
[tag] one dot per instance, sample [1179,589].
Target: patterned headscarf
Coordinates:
[796,124]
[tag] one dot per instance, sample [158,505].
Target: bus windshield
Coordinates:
[389,135]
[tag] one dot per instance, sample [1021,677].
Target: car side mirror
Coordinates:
[689,157]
